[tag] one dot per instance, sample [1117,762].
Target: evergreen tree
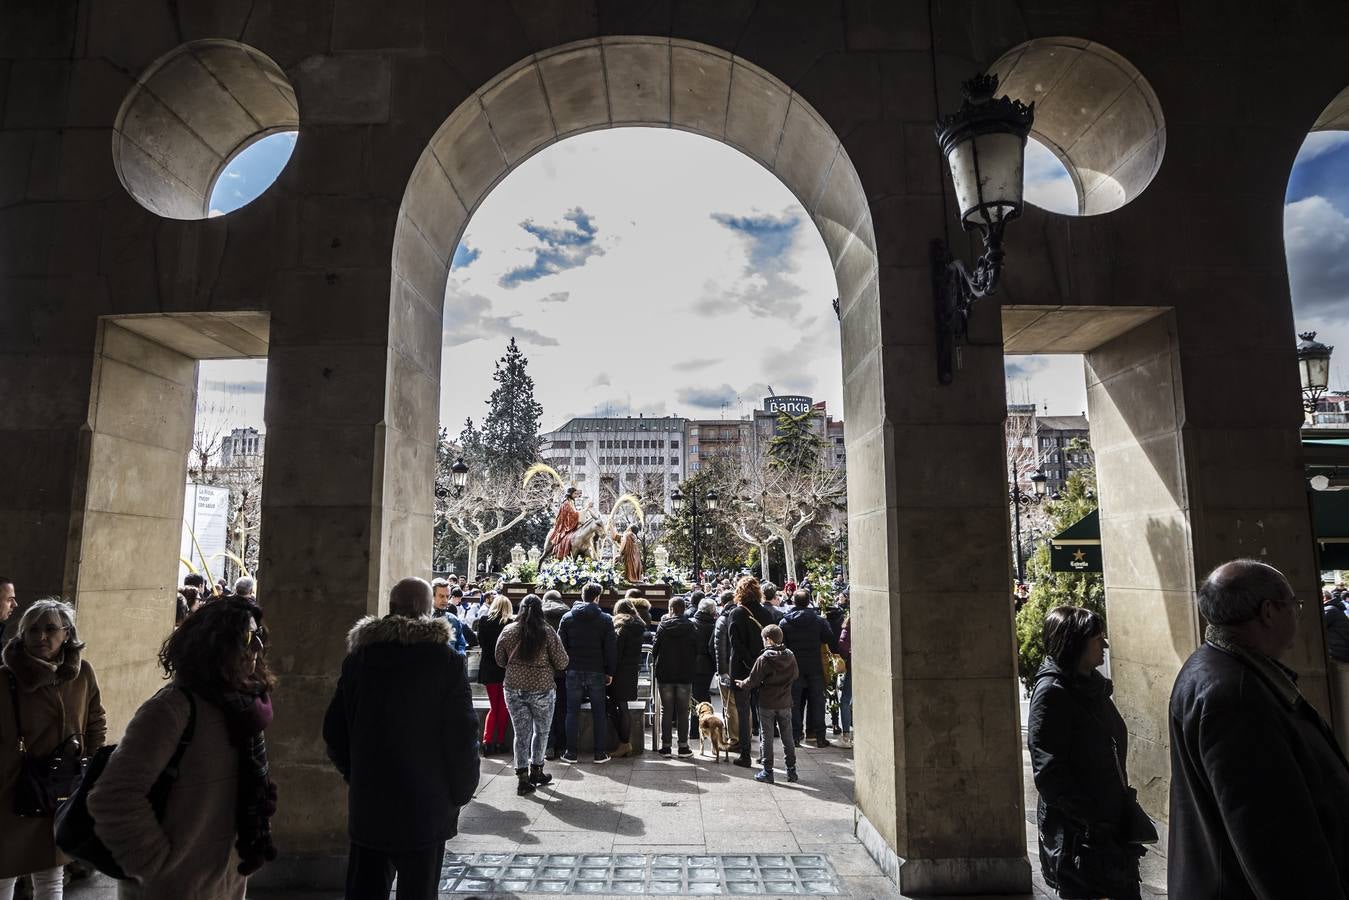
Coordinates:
[510,432]
[795,445]
[1051,589]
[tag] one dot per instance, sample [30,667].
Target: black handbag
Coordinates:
[75,833]
[44,781]
[1095,864]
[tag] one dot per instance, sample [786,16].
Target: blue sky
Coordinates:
[653,271]
[251,172]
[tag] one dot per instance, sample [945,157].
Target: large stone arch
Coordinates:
[909,771]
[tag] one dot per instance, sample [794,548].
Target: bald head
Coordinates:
[1234,592]
[410,597]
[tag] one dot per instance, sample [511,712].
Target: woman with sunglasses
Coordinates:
[48,698]
[215,829]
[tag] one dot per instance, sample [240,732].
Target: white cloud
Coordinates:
[1316,237]
[468,318]
[1319,143]
[1048,184]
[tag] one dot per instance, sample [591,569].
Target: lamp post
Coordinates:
[1313,364]
[707,501]
[1018,498]
[985,146]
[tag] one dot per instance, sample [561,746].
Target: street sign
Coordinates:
[792,404]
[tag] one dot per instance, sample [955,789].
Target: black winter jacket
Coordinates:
[1070,730]
[705,663]
[675,650]
[489,629]
[402,731]
[1337,632]
[1259,788]
[587,634]
[746,637]
[720,646]
[629,638]
[805,631]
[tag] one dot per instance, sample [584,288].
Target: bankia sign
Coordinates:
[784,403]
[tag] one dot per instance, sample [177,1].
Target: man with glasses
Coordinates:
[1259,787]
[7,601]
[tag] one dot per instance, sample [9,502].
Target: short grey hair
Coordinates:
[1232,593]
[410,597]
[245,586]
[63,610]
[439,583]
[707,605]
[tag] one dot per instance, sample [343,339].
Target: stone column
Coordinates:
[128,511]
[1197,462]
[938,758]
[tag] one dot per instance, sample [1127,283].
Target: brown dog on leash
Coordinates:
[711,728]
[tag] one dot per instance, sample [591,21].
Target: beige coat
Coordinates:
[52,707]
[191,854]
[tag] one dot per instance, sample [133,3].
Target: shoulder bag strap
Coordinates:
[171,769]
[14,701]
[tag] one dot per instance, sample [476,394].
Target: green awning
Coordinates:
[1330,518]
[1077,548]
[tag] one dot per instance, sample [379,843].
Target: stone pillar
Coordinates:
[938,758]
[1197,462]
[127,525]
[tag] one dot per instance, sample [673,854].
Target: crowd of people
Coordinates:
[183,803]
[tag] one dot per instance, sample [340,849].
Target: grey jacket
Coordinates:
[773,673]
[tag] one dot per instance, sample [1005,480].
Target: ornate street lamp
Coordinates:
[1019,498]
[985,147]
[459,476]
[696,504]
[518,555]
[1313,363]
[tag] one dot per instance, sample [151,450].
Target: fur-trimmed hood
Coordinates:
[31,674]
[392,629]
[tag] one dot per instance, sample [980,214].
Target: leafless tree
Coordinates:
[487,507]
[773,502]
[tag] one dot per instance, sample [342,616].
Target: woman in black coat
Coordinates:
[491,676]
[1078,745]
[631,632]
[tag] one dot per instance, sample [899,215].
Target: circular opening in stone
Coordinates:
[1095,114]
[193,112]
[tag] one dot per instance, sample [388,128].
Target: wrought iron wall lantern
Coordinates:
[985,146]
[1313,364]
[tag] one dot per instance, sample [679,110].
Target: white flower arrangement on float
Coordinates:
[676,578]
[518,573]
[569,574]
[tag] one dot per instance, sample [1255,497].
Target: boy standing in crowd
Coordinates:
[772,675]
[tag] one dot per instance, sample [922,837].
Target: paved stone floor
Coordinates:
[692,822]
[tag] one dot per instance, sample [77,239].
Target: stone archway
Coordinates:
[639,82]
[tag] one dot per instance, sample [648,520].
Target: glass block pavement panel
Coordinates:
[635,874]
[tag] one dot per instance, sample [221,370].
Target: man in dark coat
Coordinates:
[745,639]
[553,610]
[410,763]
[806,631]
[1337,630]
[674,659]
[721,656]
[704,619]
[1259,787]
[587,634]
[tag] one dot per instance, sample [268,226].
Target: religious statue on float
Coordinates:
[559,542]
[629,553]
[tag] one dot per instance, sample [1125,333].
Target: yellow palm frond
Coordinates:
[631,501]
[541,469]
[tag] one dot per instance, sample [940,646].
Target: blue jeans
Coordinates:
[582,686]
[782,718]
[845,699]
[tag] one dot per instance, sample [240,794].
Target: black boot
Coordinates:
[524,786]
[536,776]
[742,761]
